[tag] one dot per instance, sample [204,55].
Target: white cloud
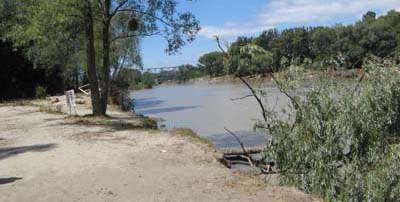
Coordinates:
[231,30]
[277,12]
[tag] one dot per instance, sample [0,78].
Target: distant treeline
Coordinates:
[340,46]
[147,79]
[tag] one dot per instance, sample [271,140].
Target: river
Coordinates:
[208,108]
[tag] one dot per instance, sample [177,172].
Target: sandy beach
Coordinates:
[53,157]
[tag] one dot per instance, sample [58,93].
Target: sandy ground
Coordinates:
[45,157]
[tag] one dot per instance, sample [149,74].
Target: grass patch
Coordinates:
[187,132]
[15,103]
[114,123]
[51,109]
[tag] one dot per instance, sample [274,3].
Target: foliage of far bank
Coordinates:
[339,46]
[315,48]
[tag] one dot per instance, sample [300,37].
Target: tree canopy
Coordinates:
[73,34]
[318,47]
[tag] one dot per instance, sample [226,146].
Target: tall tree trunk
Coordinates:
[76,78]
[105,90]
[91,59]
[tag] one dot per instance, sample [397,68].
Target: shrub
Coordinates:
[40,92]
[344,145]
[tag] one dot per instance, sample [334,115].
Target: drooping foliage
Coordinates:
[345,143]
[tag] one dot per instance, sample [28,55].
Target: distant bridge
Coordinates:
[160,69]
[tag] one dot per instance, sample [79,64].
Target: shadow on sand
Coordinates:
[9,180]
[12,151]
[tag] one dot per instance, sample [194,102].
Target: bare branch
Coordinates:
[240,98]
[292,99]
[220,47]
[254,94]
[242,146]
[118,8]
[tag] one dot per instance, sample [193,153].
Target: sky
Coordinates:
[232,18]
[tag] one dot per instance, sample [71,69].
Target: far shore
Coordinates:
[340,74]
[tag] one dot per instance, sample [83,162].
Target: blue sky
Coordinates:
[232,18]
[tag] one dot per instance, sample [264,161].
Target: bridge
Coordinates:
[160,69]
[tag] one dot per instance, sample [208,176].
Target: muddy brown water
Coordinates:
[208,108]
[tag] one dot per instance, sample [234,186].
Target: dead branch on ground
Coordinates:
[248,157]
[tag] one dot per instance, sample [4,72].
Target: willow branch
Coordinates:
[220,47]
[296,105]
[254,94]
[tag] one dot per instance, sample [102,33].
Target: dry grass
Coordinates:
[114,123]
[51,109]
[186,132]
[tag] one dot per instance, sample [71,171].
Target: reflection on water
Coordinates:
[165,110]
[147,103]
[207,109]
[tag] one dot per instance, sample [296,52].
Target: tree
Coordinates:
[148,79]
[212,63]
[146,18]
[322,39]
[344,145]
[369,17]
[254,59]
[232,61]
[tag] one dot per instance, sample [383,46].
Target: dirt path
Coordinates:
[43,157]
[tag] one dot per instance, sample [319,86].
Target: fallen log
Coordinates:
[229,160]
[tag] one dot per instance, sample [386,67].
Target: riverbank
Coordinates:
[47,155]
[340,74]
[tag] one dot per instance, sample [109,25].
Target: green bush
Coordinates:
[148,80]
[344,144]
[40,92]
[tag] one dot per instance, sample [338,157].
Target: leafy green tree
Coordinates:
[337,46]
[369,17]
[45,19]
[231,63]
[187,72]
[212,63]
[340,142]
[148,79]
[322,39]
[254,59]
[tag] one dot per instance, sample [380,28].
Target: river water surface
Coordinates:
[208,108]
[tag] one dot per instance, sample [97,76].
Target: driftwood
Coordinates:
[246,155]
[229,160]
[237,151]
[243,156]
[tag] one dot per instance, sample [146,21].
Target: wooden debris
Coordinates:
[239,151]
